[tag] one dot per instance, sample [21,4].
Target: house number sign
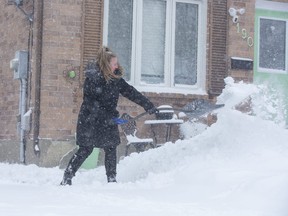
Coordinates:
[245,35]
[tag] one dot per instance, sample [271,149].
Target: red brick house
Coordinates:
[172,50]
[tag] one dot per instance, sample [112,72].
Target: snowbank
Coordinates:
[238,166]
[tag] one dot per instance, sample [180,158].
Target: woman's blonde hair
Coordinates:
[103,59]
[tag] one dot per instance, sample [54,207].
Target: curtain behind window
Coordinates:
[153,41]
[120,32]
[186,40]
[272,44]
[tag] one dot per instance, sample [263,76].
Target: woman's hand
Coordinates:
[153,110]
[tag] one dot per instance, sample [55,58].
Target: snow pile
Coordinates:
[269,104]
[238,166]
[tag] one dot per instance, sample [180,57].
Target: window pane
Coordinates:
[272,44]
[153,41]
[186,39]
[120,32]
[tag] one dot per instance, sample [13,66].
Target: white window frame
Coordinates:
[168,85]
[269,70]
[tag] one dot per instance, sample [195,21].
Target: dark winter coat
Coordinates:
[100,99]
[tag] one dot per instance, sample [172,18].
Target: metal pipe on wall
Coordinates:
[36,125]
[22,113]
[20,65]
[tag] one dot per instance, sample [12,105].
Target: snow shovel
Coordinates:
[195,109]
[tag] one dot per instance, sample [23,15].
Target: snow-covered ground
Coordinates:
[236,167]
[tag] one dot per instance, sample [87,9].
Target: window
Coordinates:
[120,31]
[186,37]
[153,42]
[273,45]
[160,43]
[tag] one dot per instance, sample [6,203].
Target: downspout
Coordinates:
[21,66]
[38,53]
[23,88]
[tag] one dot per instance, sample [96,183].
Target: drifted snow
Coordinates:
[236,167]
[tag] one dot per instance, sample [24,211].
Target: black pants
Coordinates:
[84,151]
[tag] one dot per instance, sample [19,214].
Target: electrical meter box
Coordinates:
[20,64]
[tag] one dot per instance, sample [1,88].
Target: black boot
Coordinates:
[67,179]
[110,163]
[74,164]
[111,179]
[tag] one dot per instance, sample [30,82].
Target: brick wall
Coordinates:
[14,31]
[238,47]
[61,54]
[60,96]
